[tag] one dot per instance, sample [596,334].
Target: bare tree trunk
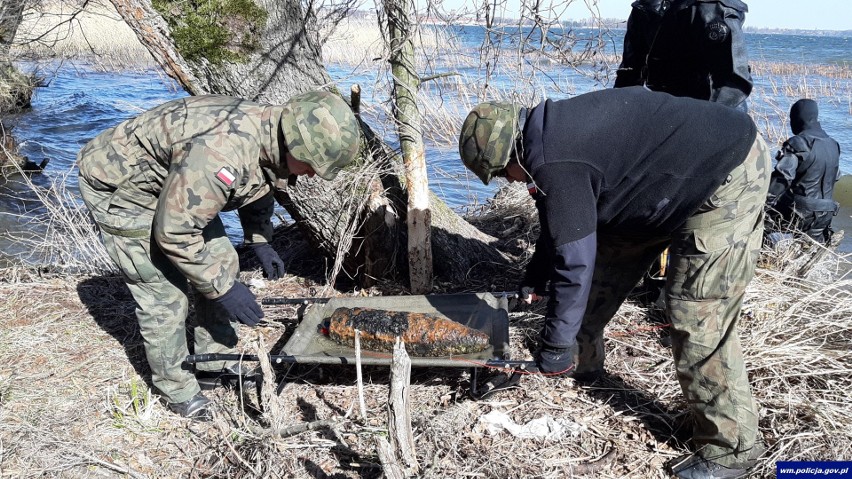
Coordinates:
[11,14]
[15,87]
[355,218]
[153,32]
[406,83]
[390,464]
[288,61]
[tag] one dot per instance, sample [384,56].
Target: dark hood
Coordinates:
[804,115]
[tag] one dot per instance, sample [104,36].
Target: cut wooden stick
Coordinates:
[390,465]
[359,378]
[399,413]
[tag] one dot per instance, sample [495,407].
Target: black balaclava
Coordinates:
[804,115]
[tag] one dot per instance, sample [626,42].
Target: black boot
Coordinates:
[693,466]
[690,466]
[196,408]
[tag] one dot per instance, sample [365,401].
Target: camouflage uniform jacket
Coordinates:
[172,169]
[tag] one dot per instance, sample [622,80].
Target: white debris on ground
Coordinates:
[544,427]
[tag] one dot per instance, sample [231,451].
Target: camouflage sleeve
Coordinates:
[193,194]
[725,50]
[256,219]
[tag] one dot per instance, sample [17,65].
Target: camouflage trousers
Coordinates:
[161,294]
[713,257]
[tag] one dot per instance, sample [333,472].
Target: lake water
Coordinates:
[79,103]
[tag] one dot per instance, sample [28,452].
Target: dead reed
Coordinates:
[842,71]
[96,35]
[358,42]
[75,397]
[58,232]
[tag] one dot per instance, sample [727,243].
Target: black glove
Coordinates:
[525,292]
[273,266]
[551,359]
[240,304]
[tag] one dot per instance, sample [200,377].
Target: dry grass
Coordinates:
[74,398]
[96,35]
[358,41]
[765,68]
[16,91]
[66,237]
[782,84]
[10,158]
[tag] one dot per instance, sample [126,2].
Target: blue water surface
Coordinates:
[79,103]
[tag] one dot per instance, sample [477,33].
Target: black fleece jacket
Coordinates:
[625,161]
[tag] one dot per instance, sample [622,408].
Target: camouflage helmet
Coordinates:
[487,138]
[320,130]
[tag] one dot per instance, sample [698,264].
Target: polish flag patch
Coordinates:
[531,188]
[225,176]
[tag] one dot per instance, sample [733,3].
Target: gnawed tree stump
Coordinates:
[357,218]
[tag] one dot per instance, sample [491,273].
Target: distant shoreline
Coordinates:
[619,24]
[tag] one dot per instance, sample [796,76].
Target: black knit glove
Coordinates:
[240,304]
[530,293]
[555,360]
[273,266]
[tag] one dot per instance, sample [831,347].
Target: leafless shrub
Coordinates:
[59,232]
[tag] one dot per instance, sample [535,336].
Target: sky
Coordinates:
[793,14]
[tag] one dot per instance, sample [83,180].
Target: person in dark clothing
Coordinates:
[802,184]
[617,176]
[692,48]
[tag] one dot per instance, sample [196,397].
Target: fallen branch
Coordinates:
[307,426]
[109,465]
[590,467]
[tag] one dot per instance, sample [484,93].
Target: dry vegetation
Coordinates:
[96,36]
[75,397]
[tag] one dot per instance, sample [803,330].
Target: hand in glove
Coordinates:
[528,294]
[240,304]
[273,266]
[555,360]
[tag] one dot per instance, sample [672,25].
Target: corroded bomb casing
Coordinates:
[423,334]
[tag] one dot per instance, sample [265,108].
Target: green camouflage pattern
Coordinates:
[712,260]
[162,171]
[155,185]
[487,138]
[160,291]
[321,130]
